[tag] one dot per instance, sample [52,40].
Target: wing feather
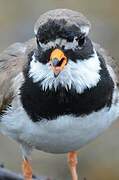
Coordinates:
[12,61]
[112,64]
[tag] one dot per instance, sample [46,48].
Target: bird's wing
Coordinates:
[112,64]
[12,61]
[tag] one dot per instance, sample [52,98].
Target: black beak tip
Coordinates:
[55,62]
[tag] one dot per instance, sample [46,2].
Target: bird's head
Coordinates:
[64,55]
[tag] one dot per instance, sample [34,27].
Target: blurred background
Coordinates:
[100,159]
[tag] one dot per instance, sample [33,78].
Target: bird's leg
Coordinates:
[26,167]
[27,170]
[72,161]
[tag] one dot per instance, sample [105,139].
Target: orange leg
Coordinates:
[27,170]
[72,161]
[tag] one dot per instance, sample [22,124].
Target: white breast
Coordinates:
[60,135]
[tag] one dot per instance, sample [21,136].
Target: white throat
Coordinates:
[81,75]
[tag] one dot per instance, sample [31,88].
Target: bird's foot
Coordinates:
[27,170]
[72,161]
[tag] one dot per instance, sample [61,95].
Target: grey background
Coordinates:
[100,159]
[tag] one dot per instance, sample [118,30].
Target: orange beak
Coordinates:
[58,61]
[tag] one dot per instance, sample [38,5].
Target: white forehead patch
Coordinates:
[81,75]
[60,42]
[84,30]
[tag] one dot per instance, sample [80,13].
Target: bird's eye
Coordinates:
[40,40]
[81,40]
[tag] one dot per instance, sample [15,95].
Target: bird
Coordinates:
[59,90]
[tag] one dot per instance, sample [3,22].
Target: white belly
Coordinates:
[61,135]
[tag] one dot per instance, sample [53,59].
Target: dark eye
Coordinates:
[41,40]
[81,40]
